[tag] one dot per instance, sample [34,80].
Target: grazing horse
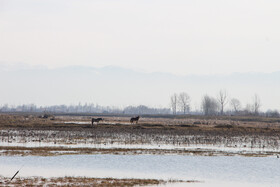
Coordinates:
[96,120]
[134,119]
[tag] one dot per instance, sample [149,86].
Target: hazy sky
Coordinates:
[176,36]
[181,37]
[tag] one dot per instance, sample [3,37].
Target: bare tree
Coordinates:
[256,104]
[174,103]
[184,102]
[209,105]
[272,113]
[223,100]
[235,104]
[248,109]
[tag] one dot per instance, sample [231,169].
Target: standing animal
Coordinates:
[96,120]
[136,119]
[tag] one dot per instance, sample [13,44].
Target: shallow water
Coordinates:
[264,171]
[93,139]
[210,148]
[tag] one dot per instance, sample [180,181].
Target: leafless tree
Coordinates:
[273,113]
[223,100]
[256,104]
[248,109]
[235,104]
[184,102]
[174,103]
[209,105]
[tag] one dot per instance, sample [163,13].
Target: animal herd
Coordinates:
[97,120]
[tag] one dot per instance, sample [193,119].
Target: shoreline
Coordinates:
[85,181]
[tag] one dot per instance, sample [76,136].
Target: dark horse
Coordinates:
[134,119]
[96,120]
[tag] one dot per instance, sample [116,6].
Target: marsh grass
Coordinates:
[182,132]
[83,181]
[57,151]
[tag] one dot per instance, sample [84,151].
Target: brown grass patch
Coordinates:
[83,181]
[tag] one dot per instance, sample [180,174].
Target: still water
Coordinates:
[262,171]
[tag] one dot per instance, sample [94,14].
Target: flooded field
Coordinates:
[251,170]
[133,140]
[209,152]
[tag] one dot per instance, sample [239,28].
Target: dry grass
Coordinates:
[56,151]
[197,122]
[82,181]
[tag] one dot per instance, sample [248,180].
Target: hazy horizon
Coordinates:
[116,86]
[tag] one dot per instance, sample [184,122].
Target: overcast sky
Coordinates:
[176,36]
[181,37]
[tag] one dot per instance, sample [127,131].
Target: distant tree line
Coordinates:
[180,104]
[142,109]
[211,106]
[84,108]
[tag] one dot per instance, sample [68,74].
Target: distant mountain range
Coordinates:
[115,86]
